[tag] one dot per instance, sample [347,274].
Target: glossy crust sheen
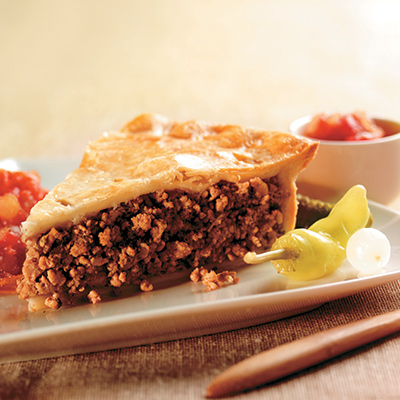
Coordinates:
[154,153]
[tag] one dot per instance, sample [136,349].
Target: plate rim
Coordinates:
[310,293]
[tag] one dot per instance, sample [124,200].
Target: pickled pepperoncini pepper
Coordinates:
[306,254]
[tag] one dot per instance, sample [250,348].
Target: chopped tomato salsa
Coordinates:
[345,127]
[19,192]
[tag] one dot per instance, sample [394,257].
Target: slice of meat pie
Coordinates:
[158,197]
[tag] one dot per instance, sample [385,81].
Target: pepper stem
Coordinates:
[280,254]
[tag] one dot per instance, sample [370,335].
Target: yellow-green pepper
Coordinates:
[349,215]
[306,254]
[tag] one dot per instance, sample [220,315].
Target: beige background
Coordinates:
[70,70]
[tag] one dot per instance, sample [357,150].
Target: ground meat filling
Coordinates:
[153,235]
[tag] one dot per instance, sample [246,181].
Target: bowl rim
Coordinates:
[301,122]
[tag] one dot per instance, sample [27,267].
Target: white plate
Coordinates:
[184,309]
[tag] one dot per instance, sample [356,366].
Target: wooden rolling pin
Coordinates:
[294,356]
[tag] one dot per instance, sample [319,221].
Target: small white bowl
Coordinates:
[339,165]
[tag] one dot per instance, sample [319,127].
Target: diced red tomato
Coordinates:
[345,127]
[9,283]
[19,192]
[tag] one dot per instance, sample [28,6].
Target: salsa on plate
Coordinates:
[19,192]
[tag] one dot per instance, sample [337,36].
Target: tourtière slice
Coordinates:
[161,196]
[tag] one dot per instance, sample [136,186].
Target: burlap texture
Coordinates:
[182,369]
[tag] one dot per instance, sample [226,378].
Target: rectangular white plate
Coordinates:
[185,309]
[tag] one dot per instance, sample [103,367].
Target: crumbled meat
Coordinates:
[118,279]
[153,235]
[46,241]
[94,297]
[146,286]
[197,274]
[105,236]
[52,302]
[181,250]
[56,277]
[213,280]
[141,222]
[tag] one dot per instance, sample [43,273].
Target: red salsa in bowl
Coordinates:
[353,149]
[19,192]
[355,126]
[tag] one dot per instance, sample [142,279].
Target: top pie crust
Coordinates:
[154,153]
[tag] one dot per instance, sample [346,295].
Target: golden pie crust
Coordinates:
[155,153]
